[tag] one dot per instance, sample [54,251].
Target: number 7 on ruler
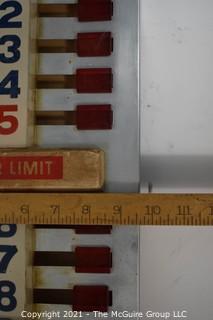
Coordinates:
[17,63]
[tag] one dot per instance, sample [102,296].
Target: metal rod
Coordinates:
[56,81]
[57,259]
[57,10]
[55,118]
[56,46]
[52,296]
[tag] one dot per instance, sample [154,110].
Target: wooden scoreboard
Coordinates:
[17,87]
[96,85]
[16,270]
[17,91]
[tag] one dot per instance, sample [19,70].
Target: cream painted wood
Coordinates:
[23,135]
[18,272]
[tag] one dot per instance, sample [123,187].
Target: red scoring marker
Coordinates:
[84,259]
[85,10]
[86,117]
[91,298]
[93,260]
[95,10]
[82,298]
[94,80]
[94,117]
[93,44]
[79,229]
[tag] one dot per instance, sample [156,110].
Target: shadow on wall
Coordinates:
[177,173]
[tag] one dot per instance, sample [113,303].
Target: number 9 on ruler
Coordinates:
[17,63]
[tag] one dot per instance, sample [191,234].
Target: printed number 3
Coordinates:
[11,49]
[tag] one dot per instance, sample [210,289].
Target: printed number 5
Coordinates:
[11,120]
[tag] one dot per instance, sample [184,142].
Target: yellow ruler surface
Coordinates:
[106,208]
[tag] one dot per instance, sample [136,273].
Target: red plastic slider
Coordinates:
[84,259]
[92,44]
[93,229]
[97,117]
[79,229]
[93,260]
[91,298]
[97,44]
[95,10]
[94,80]
[85,10]
[82,298]
[86,117]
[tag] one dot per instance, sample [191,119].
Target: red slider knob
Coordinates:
[93,260]
[94,117]
[82,298]
[94,80]
[97,44]
[95,10]
[91,298]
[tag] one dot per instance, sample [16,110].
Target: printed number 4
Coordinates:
[12,79]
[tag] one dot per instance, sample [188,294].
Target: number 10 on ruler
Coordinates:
[16,65]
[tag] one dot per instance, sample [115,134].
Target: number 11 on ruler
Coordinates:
[17,63]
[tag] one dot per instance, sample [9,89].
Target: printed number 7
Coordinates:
[10,252]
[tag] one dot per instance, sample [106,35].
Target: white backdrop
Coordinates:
[177,150]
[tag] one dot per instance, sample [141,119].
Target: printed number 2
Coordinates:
[5,20]
[13,90]
[7,291]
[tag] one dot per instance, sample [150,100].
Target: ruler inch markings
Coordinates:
[133,209]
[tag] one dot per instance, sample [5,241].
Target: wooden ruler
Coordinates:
[106,208]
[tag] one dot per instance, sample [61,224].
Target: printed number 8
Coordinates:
[7,291]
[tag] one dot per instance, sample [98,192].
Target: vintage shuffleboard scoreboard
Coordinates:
[68,123]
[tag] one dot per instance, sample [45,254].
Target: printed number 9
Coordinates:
[9,232]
